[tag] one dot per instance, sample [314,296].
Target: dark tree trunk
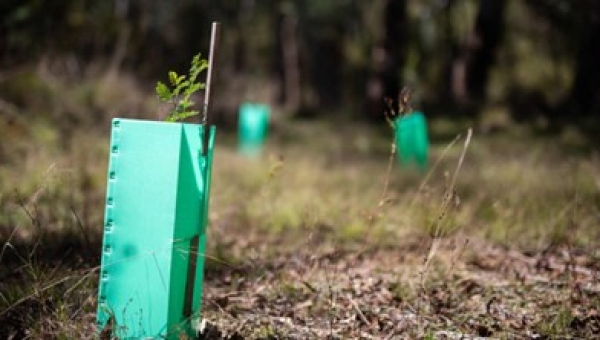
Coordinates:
[488,30]
[285,61]
[472,67]
[245,10]
[326,66]
[388,58]
[277,56]
[240,63]
[586,86]
[396,33]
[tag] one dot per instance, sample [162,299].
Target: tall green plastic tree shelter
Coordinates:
[253,125]
[412,140]
[157,201]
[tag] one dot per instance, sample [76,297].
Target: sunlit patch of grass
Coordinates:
[529,195]
[58,189]
[516,191]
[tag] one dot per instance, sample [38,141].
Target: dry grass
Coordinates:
[307,247]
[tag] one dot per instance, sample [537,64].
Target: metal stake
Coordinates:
[214,42]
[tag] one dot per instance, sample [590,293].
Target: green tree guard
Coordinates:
[252,127]
[154,229]
[412,141]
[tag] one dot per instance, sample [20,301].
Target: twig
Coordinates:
[387,175]
[81,228]
[432,170]
[433,245]
[83,278]
[361,315]
[446,203]
[7,243]
[221,309]
[27,297]
[29,214]
[461,159]
[458,255]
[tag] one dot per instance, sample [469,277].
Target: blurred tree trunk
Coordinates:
[123,37]
[586,86]
[449,50]
[291,71]
[388,58]
[471,69]
[325,62]
[286,60]
[241,16]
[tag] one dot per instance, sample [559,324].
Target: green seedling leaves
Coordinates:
[173,78]
[181,90]
[163,92]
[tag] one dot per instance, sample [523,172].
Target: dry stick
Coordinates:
[387,175]
[461,159]
[34,198]
[221,309]
[433,245]
[81,228]
[205,256]
[570,239]
[360,314]
[30,215]
[332,306]
[376,212]
[432,170]
[214,40]
[7,243]
[458,254]
[446,203]
[36,223]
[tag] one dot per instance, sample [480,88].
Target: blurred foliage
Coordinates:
[333,55]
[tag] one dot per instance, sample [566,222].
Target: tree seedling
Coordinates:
[404,107]
[181,88]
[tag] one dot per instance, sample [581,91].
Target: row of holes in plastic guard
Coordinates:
[109,225]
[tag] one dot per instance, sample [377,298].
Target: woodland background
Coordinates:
[324,235]
[531,61]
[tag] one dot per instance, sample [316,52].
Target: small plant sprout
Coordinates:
[181,88]
[404,107]
[391,114]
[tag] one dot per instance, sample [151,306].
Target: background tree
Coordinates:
[388,57]
[322,57]
[586,85]
[472,67]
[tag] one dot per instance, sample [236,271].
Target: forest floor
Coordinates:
[474,290]
[318,238]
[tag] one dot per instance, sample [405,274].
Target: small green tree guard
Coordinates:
[252,127]
[154,229]
[412,140]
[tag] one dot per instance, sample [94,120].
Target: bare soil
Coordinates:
[470,289]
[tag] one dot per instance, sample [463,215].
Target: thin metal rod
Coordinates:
[214,41]
[191,277]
